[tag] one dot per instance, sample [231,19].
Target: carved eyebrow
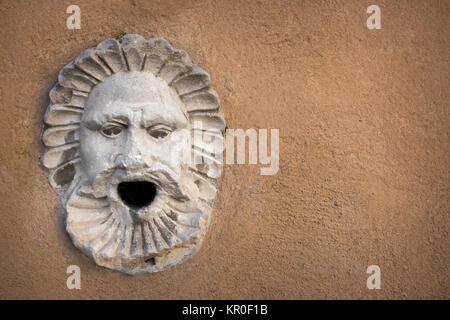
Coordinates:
[158,120]
[99,119]
[119,121]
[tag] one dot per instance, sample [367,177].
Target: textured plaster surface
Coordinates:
[364,148]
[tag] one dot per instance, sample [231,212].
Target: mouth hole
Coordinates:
[137,194]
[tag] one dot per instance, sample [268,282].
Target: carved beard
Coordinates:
[136,240]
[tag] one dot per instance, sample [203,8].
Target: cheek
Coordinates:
[173,152]
[95,152]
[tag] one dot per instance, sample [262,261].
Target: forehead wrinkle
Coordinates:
[122,97]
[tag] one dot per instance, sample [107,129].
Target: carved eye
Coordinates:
[159,131]
[111,130]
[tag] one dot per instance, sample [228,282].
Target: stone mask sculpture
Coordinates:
[119,149]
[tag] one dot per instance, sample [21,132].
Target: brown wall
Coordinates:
[364,147]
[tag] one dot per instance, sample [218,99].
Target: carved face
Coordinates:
[134,200]
[134,121]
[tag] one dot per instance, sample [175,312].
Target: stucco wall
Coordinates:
[364,148]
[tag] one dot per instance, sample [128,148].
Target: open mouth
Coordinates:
[137,194]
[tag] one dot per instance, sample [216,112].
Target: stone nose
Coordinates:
[131,155]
